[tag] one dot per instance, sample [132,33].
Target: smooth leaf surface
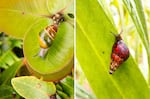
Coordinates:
[94,46]
[30,87]
[59,60]
[8,74]
[18,16]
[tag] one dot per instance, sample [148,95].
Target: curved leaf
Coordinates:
[30,17]
[59,60]
[94,46]
[18,16]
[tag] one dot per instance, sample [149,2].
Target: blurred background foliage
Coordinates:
[10,50]
[11,55]
[122,20]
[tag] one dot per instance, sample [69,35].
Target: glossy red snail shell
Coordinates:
[120,53]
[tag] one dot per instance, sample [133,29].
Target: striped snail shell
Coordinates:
[46,38]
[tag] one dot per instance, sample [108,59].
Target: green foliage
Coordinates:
[6,92]
[136,12]
[65,88]
[58,62]
[68,86]
[9,66]
[7,56]
[81,93]
[7,43]
[63,95]
[24,20]
[35,16]
[9,73]
[94,46]
[32,88]
[7,59]
[18,17]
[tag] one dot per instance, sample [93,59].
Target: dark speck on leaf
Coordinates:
[23,13]
[38,85]
[103,52]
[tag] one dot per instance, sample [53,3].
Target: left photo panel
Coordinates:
[37,49]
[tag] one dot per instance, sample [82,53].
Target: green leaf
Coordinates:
[8,74]
[30,18]
[59,60]
[62,95]
[30,87]
[94,46]
[7,59]
[58,97]
[136,12]
[58,87]
[68,86]
[81,93]
[6,92]
[17,17]
[107,11]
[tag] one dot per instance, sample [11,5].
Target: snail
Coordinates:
[48,34]
[120,53]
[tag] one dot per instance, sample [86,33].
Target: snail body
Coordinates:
[48,34]
[120,53]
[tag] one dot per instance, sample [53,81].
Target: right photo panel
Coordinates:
[112,49]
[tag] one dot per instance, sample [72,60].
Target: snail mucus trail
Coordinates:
[47,36]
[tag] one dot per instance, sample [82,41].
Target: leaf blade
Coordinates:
[95,40]
[17,17]
[136,12]
[32,88]
[9,73]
